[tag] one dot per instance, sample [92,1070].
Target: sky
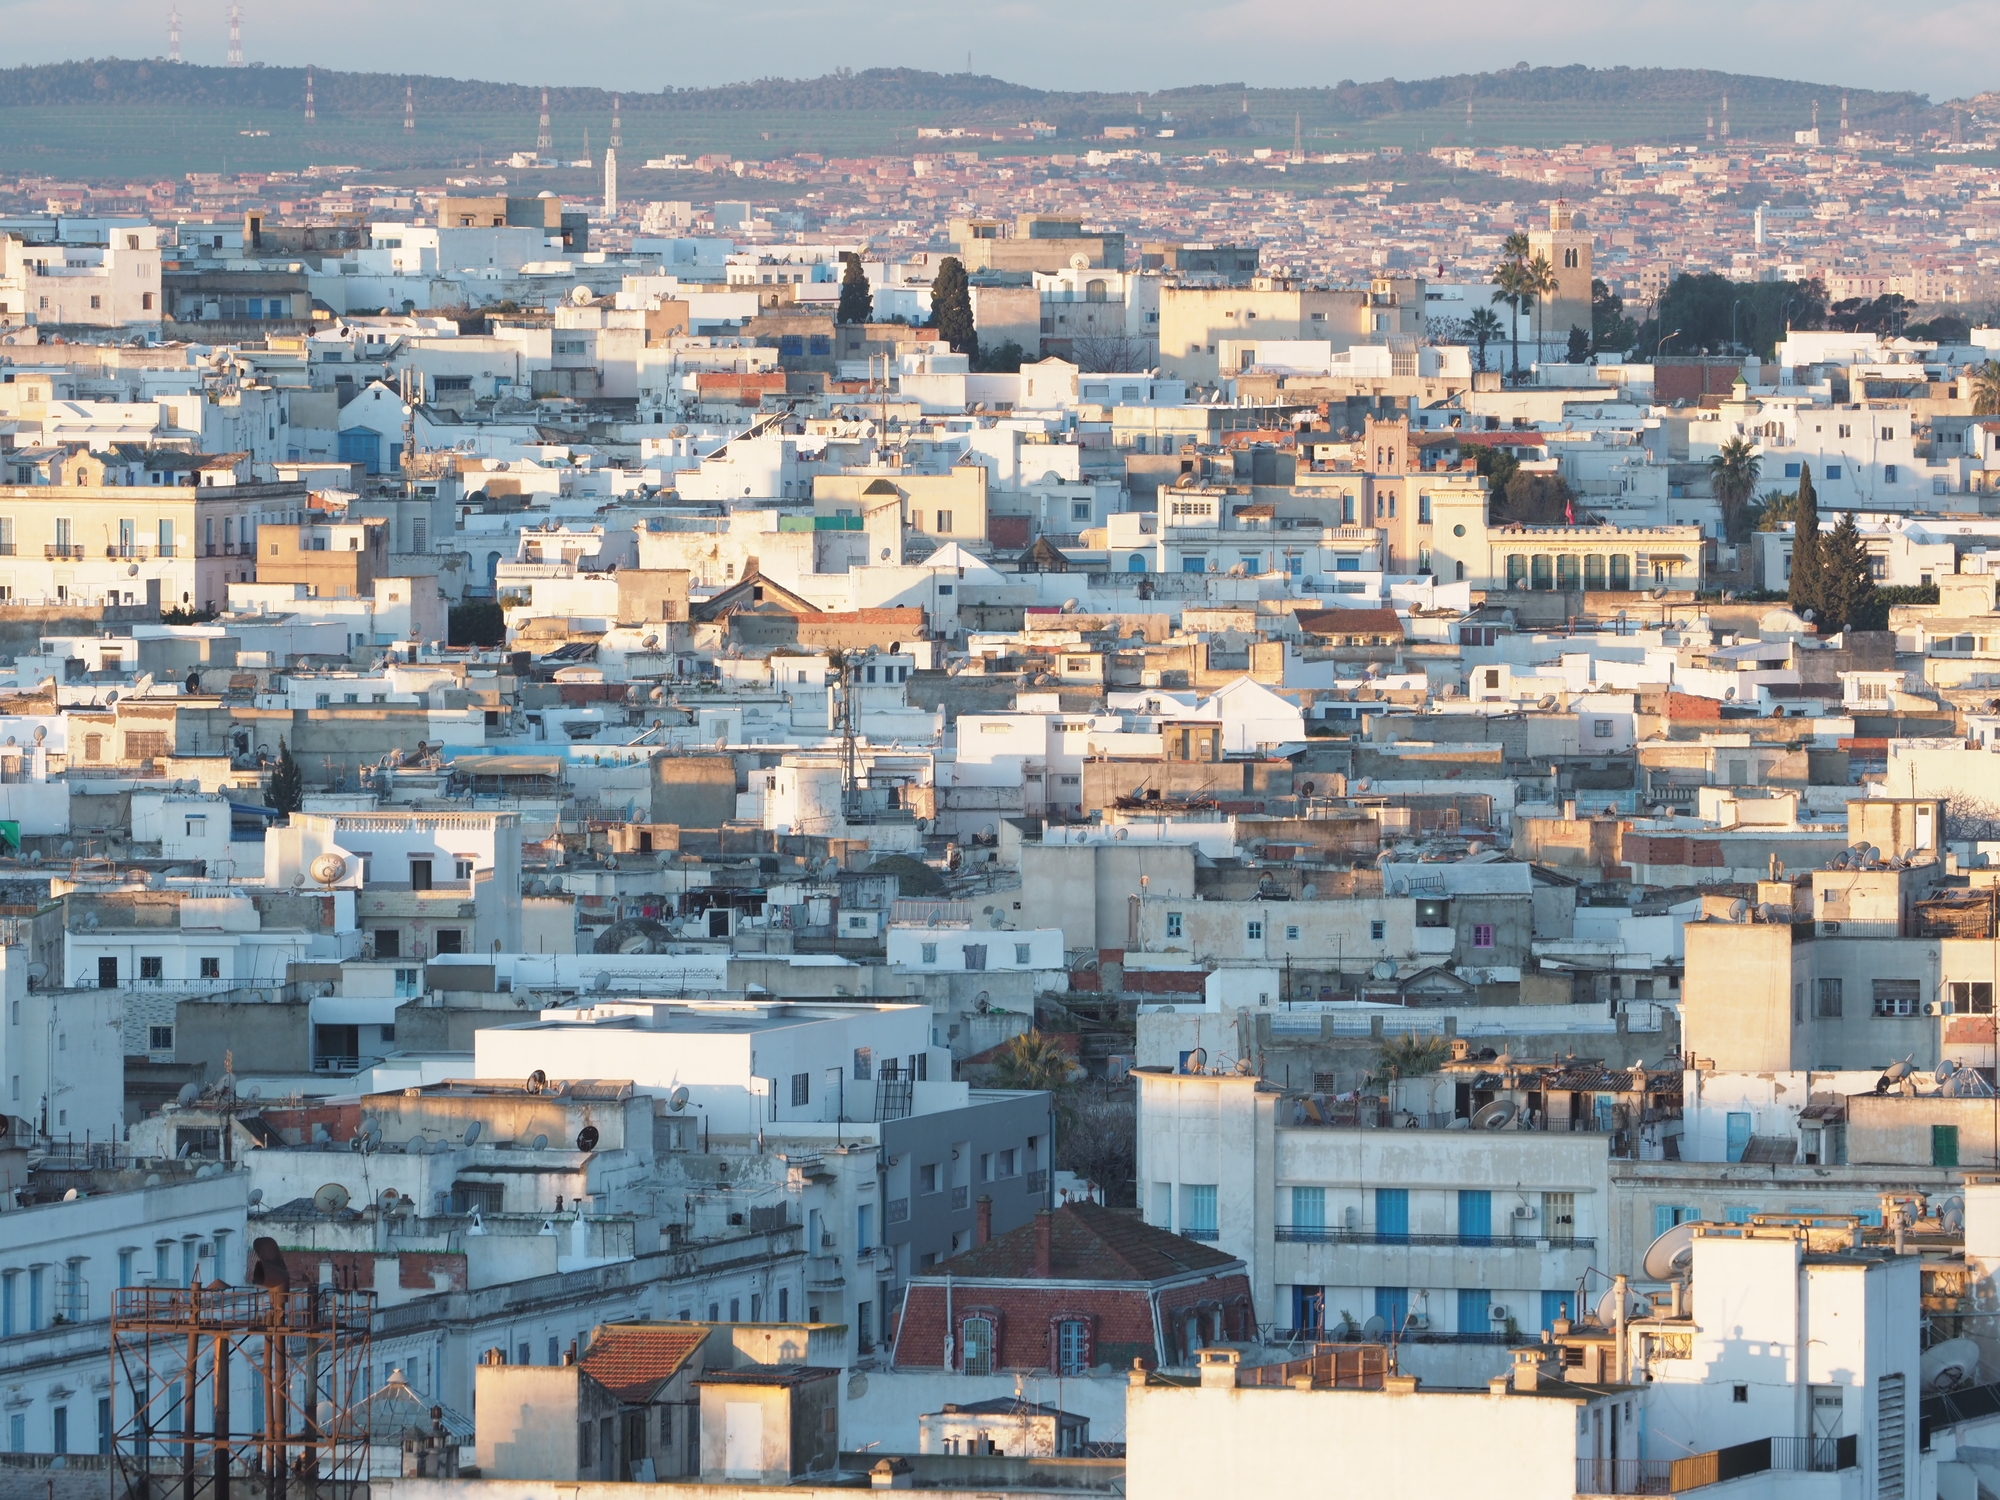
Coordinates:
[1941,49]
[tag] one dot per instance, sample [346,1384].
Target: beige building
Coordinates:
[1567,250]
[165,545]
[1196,320]
[950,507]
[333,560]
[1033,242]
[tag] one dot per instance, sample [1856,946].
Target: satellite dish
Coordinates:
[1672,1254]
[1376,1324]
[539,1143]
[389,1200]
[1951,1215]
[581,296]
[537,1081]
[328,868]
[601,982]
[1950,1365]
[1383,969]
[1897,1072]
[70,1196]
[256,1196]
[1308,892]
[677,1100]
[1636,1306]
[1494,1116]
[1945,1069]
[416,1146]
[586,1138]
[188,1094]
[330,1199]
[472,1134]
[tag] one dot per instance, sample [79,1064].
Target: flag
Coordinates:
[1569,512]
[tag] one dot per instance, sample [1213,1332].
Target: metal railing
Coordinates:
[1671,1476]
[1199,1234]
[55,552]
[1310,1234]
[896,1211]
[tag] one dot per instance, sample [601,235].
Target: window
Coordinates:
[976,1345]
[409,983]
[1254,931]
[1888,473]
[1308,1208]
[388,942]
[1475,1216]
[1972,999]
[930,953]
[864,1064]
[986,1166]
[927,1177]
[1791,471]
[159,1038]
[1377,931]
[1829,998]
[1021,951]
[1601,729]
[1200,1205]
[1482,935]
[1667,1215]
[451,940]
[1944,1145]
[462,868]
[801,1090]
[1739,1395]
[1891,1433]
[1291,933]
[1833,471]
[1897,997]
[943,521]
[1072,1346]
[1173,924]
[1392,1213]
[420,869]
[152,968]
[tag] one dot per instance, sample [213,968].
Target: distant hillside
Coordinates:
[124,117]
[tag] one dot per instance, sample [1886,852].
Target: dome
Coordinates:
[1782,622]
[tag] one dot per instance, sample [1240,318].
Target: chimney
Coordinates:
[1044,1223]
[984,1231]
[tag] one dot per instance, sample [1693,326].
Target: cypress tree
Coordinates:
[288,789]
[1847,585]
[951,308]
[1806,586]
[857,302]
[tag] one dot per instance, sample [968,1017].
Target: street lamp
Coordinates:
[1660,347]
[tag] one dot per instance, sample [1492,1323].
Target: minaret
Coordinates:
[409,107]
[1725,117]
[235,36]
[586,145]
[617,133]
[610,182]
[311,113]
[1711,125]
[1298,140]
[543,140]
[174,34]
[1843,119]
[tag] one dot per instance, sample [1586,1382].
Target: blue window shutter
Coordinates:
[1392,1210]
[1472,1305]
[1475,1215]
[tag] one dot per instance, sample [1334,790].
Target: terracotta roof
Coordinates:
[630,1360]
[1087,1242]
[1351,622]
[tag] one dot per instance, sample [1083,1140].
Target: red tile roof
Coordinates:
[1087,1242]
[630,1360]
[1351,622]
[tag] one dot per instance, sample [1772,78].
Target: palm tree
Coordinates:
[1483,327]
[1510,286]
[1409,1056]
[1986,389]
[1032,1061]
[1732,476]
[1540,278]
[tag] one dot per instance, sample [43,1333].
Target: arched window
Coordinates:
[1541,572]
[1517,570]
[1568,575]
[1093,291]
[1621,571]
[1593,573]
[1136,563]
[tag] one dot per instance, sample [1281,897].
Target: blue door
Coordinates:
[1392,1306]
[361,445]
[1136,563]
[1557,1305]
[1739,1136]
[1475,1217]
[1473,1303]
[1309,1311]
[1392,1213]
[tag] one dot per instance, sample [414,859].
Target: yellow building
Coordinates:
[1567,250]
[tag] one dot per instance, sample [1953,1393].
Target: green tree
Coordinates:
[1002,359]
[951,308]
[1579,345]
[1713,312]
[1847,583]
[1510,285]
[1776,510]
[1732,478]
[1541,284]
[287,791]
[1409,1056]
[1610,329]
[1529,499]
[1986,389]
[478,622]
[1804,591]
[857,302]
[1482,328]
[1034,1061]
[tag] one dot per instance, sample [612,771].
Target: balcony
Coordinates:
[1200,1232]
[1307,1234]
[62,552]
[1672,1476]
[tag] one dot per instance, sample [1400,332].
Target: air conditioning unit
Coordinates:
[1830,929]
[1418,1321]
[1937,1007]
[1524,1213]
[1496,1313]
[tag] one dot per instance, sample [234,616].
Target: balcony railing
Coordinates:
[896,1211]
[961,1197]
[1671,1476]
[1202,1232]
[1307,1234]
[62,552]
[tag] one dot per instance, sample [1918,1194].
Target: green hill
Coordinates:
[135,120]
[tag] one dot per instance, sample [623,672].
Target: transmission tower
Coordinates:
[543,140]
[409,107]
[174,34]
[311,114]
[235,36]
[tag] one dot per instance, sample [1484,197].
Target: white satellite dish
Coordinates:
[677,1100]
[1376,1324]
[1636,1306]
[328,868]
[1494,1116]
[472,1134]
[1671,1254]
[1383,969]
[330,1199]
[539,1143]
[1951,1365]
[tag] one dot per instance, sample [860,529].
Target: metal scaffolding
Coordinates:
[231,1392]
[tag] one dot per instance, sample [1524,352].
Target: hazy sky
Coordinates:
[1942,49]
